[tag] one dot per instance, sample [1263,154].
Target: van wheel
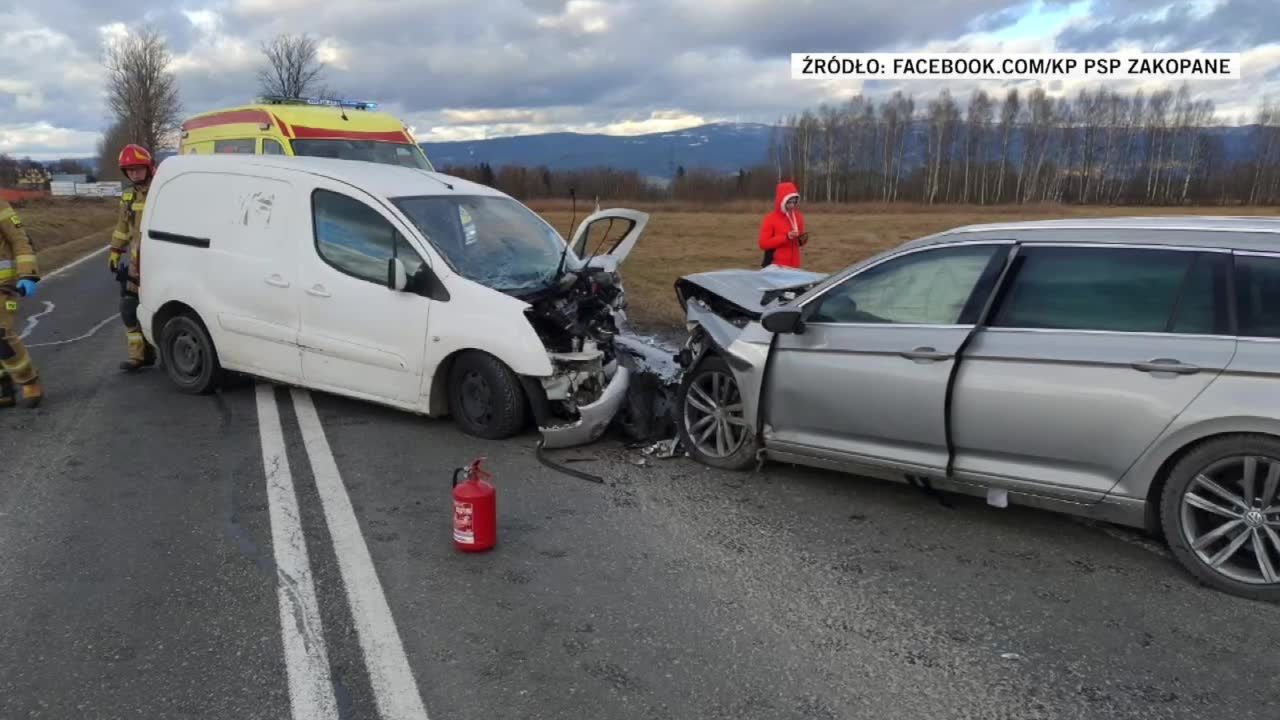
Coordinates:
[711,421]
[485,397]
[1221,514]
[188,355]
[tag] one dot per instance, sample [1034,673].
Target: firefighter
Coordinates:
[19,275]
[138,168]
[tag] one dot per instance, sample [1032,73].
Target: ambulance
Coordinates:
[341,129]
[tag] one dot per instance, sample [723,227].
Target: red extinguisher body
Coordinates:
[475,510]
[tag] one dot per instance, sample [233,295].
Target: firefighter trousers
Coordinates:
[15,361]
[140,352]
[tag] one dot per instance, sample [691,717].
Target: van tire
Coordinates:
[188,355]
[485,397]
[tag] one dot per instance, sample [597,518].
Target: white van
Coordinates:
[394,285]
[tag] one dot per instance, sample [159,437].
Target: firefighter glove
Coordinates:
[113,260]
[27,287]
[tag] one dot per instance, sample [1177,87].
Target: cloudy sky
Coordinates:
[462,69]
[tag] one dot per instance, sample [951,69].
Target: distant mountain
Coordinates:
[720,146]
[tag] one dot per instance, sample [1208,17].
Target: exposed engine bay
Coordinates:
[603,372]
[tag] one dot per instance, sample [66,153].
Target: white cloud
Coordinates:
[42,141]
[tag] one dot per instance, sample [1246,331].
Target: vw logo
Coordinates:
[1254,518]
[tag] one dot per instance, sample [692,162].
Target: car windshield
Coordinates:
[494,241]
[402,154]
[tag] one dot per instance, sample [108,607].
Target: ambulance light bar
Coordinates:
[355,104]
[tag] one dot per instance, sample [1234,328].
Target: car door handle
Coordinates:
[318,291]
[277,281]
[1168,365]
[925,353]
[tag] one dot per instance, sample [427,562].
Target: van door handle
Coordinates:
[318,291]
[276,280]
[1166,365]
[925,353]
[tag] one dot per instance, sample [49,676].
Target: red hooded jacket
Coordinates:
[776,225]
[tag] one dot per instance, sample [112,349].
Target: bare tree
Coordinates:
[1009,112]
[142,92]
[109,146]
[293,68]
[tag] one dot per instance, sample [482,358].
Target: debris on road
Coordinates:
[542,458]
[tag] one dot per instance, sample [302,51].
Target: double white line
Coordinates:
[310,690]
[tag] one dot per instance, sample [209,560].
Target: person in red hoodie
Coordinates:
[782,231]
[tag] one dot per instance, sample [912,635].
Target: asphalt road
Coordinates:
[265,553]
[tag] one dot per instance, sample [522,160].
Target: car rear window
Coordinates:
[1115,289]
[1258,296]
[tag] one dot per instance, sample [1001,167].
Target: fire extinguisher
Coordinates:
[475,510]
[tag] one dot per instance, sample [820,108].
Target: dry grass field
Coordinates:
[683,239]
[63,229]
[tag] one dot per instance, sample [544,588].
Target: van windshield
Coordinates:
[402,154]
[494,241]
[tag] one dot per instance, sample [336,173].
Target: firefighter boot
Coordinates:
[141,354]
[32,394]
[6,392]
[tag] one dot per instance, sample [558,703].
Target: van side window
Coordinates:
[271,147]
[356,239]
[244,146]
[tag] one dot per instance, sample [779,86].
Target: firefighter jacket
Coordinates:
[774,228]
[127,235]
[17,255]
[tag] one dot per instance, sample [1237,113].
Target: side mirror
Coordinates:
[397,276]
[783,320]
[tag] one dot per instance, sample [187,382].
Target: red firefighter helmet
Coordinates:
[132,156]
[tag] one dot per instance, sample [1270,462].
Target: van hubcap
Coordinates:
[1231,518]
[713,415]
[477,400]
[187,355]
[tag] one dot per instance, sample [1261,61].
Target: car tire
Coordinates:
[485,397]
[188,355]
[712,384]
[1223,462]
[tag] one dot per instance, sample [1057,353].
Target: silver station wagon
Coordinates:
[1122,369]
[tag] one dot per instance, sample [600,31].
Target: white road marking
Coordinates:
[34,320]
[393,685]
[78,338]
[74,263]
[310,689]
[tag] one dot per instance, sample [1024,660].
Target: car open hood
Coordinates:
[749,290]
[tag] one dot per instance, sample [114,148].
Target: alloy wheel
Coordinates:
[1230,517]
[713,414]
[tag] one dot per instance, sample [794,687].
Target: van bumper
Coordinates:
[593,419]
[145,317]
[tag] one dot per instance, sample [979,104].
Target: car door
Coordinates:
[1090,353]
[359,335]
[610,234]
[867,378]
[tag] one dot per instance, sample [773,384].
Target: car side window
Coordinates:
[271,147]
[1101,288]
[357,240]
[1258,296]
[929,287]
